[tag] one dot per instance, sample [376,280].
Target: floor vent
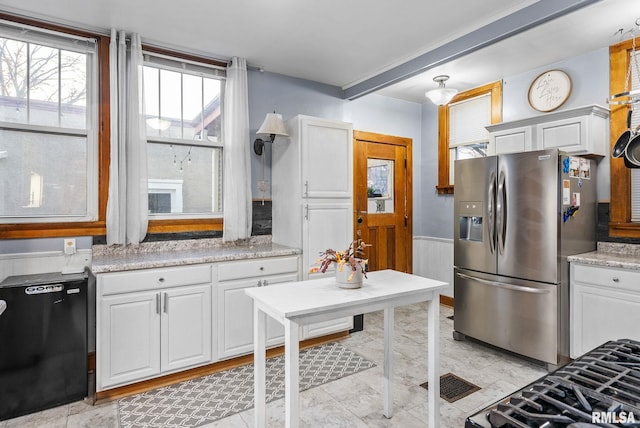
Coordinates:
[453,388]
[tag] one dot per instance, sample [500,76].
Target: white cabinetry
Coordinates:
[605,305]
[580,131]
[312,195]
[235,308]
[152,322]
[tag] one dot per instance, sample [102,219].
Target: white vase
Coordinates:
[345,279]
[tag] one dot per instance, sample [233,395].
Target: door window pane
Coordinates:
[380,191]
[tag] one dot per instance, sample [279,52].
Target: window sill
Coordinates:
[445,190]
[624,230]
[51,230]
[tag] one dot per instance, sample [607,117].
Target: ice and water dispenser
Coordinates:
[470,219]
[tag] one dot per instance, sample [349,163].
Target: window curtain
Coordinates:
[237,167]
[127,205]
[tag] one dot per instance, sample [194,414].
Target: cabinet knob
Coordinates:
[259,283]
[160,279]
[616,279]
[265,283]
[261,267]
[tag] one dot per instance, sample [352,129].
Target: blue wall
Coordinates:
[590,85]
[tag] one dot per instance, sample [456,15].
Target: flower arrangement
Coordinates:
[353,257]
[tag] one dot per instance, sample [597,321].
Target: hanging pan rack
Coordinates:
[629,96]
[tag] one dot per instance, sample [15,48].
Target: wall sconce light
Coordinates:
[272,126]
[441,95]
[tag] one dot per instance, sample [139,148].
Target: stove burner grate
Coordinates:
[604,381]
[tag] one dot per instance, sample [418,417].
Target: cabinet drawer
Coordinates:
[146,279]
[607,277]
[257,267]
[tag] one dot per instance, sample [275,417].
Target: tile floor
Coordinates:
[356,400]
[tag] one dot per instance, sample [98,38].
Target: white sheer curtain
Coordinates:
[127,205]
[237,166]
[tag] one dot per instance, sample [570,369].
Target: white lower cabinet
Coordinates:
[235,316]
[161,324]
[234,308]
[605,305]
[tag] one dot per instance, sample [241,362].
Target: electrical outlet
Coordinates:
[69,246]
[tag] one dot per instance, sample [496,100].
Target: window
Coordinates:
[624,181]
[48,126]
[183,109]
[454,139]
[468,137]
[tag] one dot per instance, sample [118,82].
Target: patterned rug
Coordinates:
[199,401]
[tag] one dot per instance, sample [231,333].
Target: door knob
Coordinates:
[359,220]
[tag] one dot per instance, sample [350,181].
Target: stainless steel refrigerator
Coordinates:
[517,218]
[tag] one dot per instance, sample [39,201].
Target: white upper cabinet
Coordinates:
[312,192]
[580,131]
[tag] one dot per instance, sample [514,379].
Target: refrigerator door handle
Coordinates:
[504,284]
[491,210]
[501,212]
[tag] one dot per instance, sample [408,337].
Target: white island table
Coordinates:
[304,302]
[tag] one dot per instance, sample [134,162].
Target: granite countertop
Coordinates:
[110,258]
[611,254]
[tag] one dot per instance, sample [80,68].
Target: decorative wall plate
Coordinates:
[549,90]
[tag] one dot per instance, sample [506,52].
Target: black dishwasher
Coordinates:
[43,342]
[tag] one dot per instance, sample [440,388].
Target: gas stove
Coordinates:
[599,389]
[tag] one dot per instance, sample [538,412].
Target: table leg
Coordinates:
[434,361]
[291,373]
[259,365]
[388,363]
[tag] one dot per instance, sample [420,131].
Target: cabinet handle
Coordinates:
[306,212]
[166,303]
[259,283]
[306,188]
[158,303]
[616,279]
[265,283]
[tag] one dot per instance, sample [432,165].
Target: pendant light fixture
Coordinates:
[441,95]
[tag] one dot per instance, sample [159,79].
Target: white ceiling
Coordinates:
[341,42]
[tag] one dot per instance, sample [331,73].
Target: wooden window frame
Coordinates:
[184,224]
[444,187]
[620,224]
[98,227]
[85,228]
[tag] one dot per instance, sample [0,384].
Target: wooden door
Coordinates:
[383,199]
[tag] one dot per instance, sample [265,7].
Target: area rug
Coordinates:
[204,400]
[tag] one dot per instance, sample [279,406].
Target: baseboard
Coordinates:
[446,301]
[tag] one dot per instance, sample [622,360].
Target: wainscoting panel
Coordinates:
[433,258]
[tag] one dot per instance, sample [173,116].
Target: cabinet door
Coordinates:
[235,317]
[327,159]
[602,314]
[569,135]
[515,140]
[186,327]
[325,225]
[128,342]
